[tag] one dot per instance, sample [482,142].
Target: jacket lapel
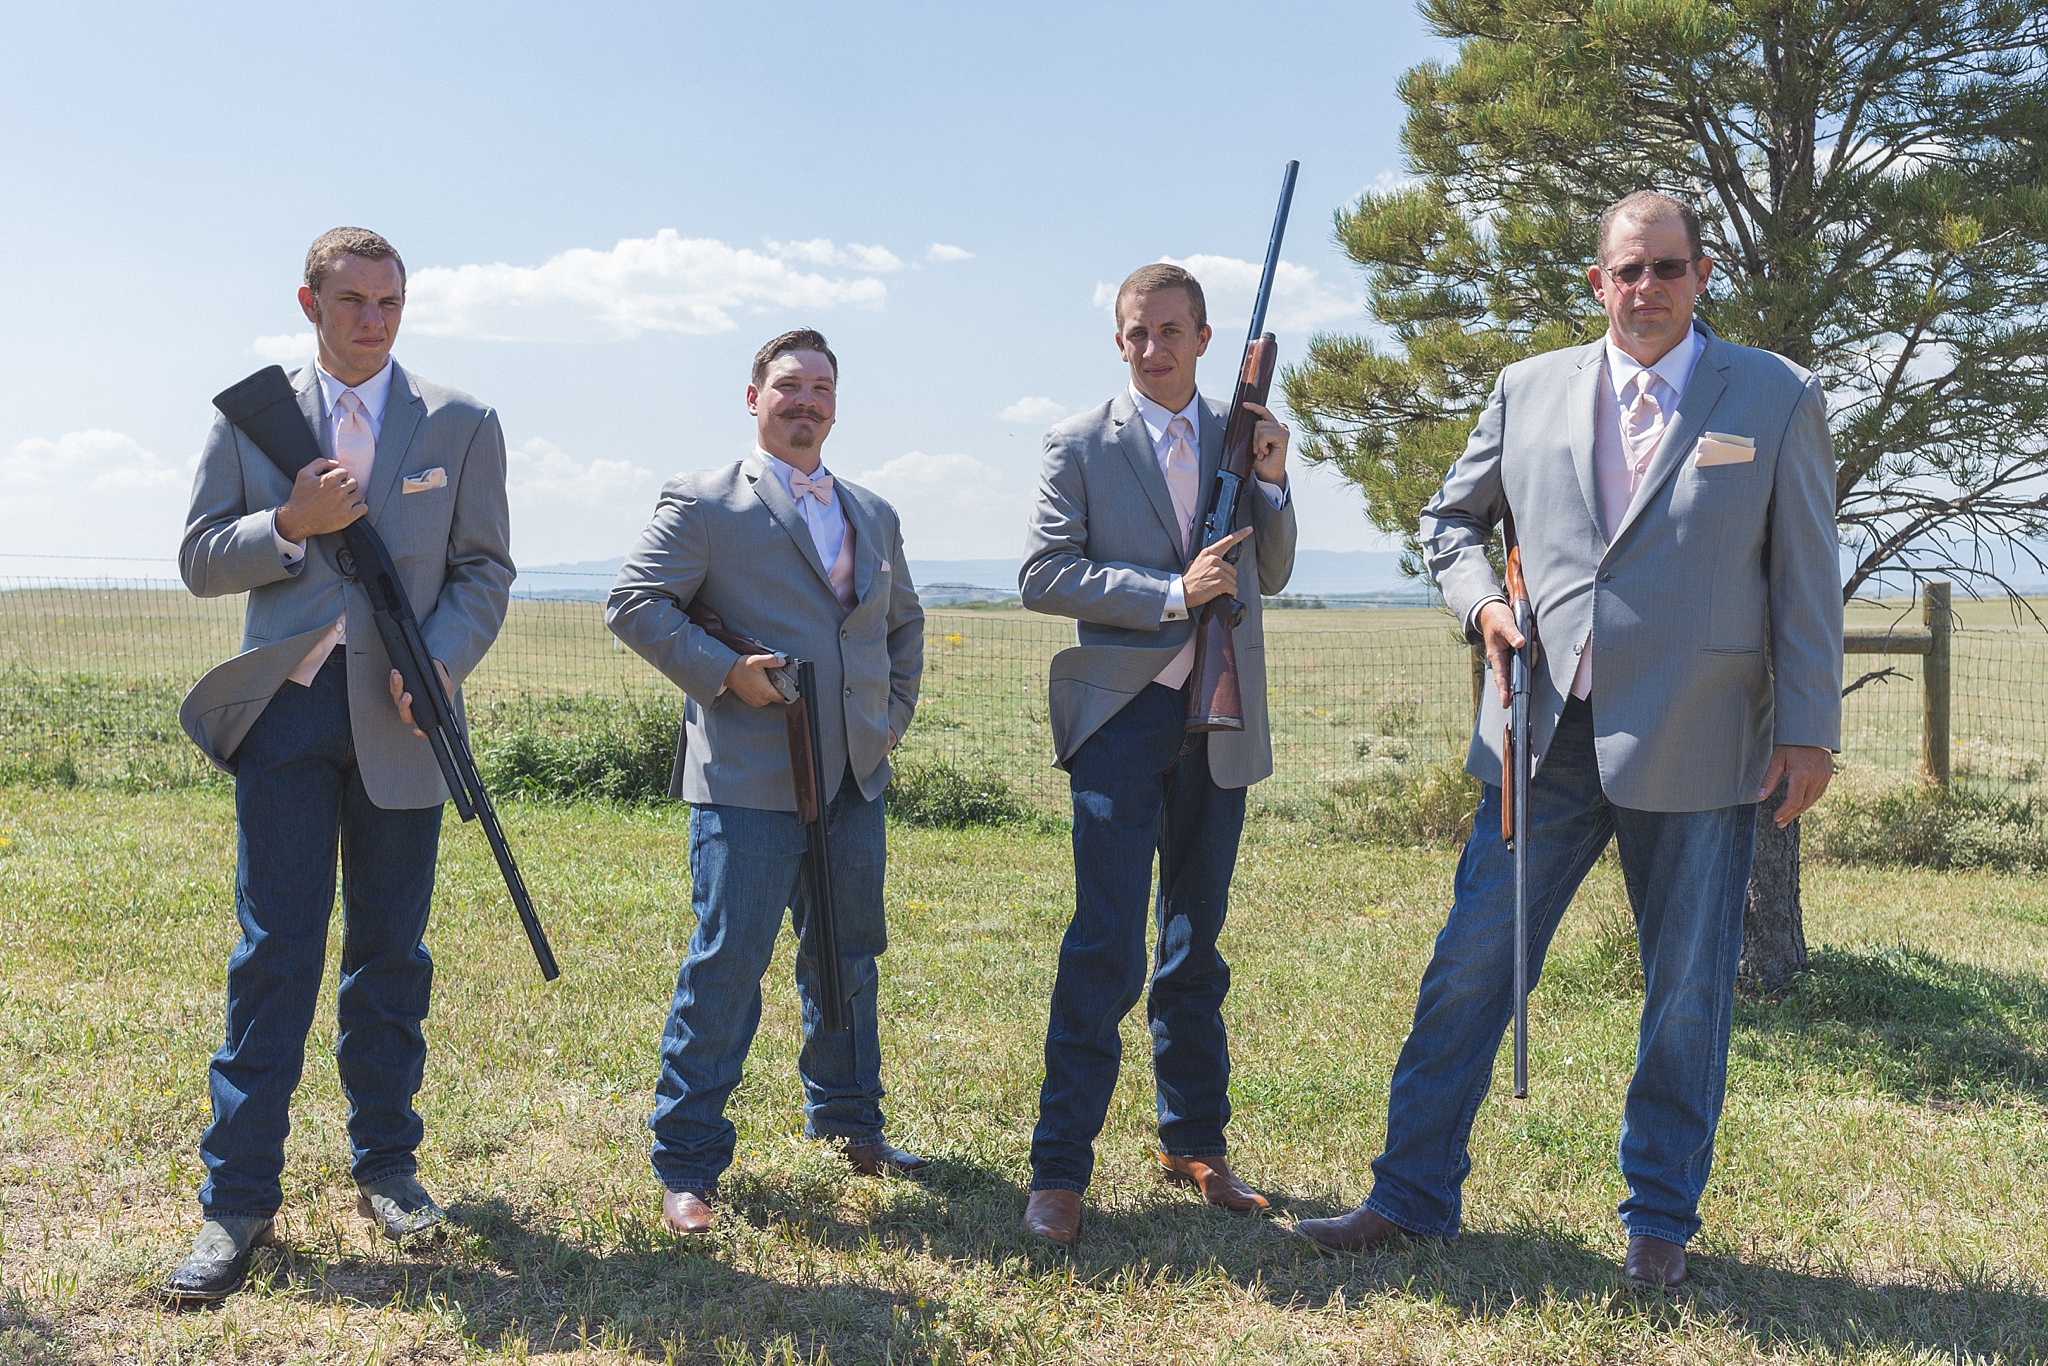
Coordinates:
[1137,447]
[867,549]
[307,382]
[783,509]
[403,409]
[1584,405]
[1709,381]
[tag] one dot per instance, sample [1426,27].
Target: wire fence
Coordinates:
[92,671]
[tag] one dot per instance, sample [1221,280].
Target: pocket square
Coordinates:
[1718,448]
[426,480]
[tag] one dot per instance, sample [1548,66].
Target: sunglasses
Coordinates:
[1669,268]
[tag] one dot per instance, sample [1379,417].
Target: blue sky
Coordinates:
[606,208]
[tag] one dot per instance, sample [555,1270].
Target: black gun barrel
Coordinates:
[265,408]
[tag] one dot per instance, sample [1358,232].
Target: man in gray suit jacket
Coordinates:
[811,566]
[1109,545]
[1674,500]
[310,719]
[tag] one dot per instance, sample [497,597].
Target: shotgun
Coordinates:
[1216,701]
[265,408]
[1514,792]
[796,681]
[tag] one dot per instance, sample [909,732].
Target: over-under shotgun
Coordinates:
[796,681]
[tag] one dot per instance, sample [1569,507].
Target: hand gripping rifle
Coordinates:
[1216,701]
[266,409]
[1514,792]
[797,682]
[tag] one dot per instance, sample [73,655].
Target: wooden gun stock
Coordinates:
[1518,594]
[1217,699]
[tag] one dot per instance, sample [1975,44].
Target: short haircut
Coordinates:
[348,242]
[802,339]
[1644,205]
[1153,278]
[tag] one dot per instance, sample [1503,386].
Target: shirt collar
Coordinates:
[1674,367]
[1158,418]
[783,470]
[375,391]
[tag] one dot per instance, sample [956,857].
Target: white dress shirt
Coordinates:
[827,523]
[374,393]
[1669,376]
[1157,418]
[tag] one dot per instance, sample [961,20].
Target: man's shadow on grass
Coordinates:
[970,1213]
[1925,1029]
[516,1284]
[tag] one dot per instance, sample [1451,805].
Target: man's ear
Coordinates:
[309,304]
[1202,340]
[753,398]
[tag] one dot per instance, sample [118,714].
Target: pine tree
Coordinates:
[1870,176]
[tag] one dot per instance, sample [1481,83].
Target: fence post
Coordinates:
[1478,679]
[1934,611]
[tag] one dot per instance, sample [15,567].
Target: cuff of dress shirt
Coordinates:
[1472,618]
[291,552]
[1276,494]
[1176,601]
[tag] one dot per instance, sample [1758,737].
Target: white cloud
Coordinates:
[821,251]
[663,283]
[954,507]
[91,492]
[1033,411]
[286,348]
[564,509]
[1301,301]
[946,251]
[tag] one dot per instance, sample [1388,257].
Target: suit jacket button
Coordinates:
[1607,578]
[843,635]
[849,692]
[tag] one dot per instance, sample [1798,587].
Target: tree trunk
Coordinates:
[1773,940]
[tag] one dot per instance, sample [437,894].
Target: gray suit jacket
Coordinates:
[1714,618]
[732,537]
[451,546]
[1103,548]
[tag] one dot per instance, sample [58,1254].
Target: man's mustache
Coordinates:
[792,414]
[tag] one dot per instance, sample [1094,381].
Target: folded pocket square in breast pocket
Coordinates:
[437,478]
[1718,448]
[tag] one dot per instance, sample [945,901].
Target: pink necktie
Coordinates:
[817,486]
[1641,430]
[1182,474]
[355,449]
[355,446]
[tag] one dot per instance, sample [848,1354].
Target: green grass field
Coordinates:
[1881,1193]
[89,683]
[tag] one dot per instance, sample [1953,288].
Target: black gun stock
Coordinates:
[265,408]
[1216,699]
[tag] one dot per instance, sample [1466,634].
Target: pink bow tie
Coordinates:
[817,486]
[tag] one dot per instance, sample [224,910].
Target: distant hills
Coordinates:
[1367,575]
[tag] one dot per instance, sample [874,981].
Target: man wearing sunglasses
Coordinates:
[1674,498]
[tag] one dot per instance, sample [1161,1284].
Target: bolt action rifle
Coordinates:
[265,408]
[796,681]
[1216,701]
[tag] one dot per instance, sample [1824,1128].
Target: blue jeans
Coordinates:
[298,796]
[1141,788]
[1687,874]
[746,866]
